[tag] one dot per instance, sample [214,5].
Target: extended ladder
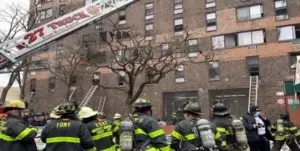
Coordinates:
[88,96]
[72,91]
[253,89]
[28,99]
[101,104]
[16,49]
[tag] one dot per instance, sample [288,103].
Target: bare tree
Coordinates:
[140,60]
[18,20]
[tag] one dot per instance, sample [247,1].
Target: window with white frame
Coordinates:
[248,13]
[149,11]
[178,26]
[44,14]
[121,78]
[213,70]
[122,17]
[281,9]
[193,48]
[179,74]
[178,9]
[211,21]
[288,32]
[88,2]
[293,60]
[238,39]
[149,31]
[253,65]
[210,3]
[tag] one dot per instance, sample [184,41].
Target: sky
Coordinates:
[4,3]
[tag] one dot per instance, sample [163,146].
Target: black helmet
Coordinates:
[285,115]
[68,107]
[254,109]
[193,107]
[220,108]
[141,103]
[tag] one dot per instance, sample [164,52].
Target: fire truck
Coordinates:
[15,50]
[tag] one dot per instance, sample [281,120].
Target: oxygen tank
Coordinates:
[126,135]
[239,131]
[206,134]
[280,127]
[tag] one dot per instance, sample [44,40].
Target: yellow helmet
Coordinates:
[14,104]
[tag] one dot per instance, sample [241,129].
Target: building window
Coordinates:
[44,14]
[253,66]
[121,79]
[165,49]
[248,13]
[103,36]
[210,3]
[213,70]
[62,10]
[121,34]
[211,21]
[51,84]
[252,37]
[122,17]
[73,80]
[178,26]
[149,31]
[281,9]
[293,61]
[238,39]
[33,85]
[193,48]
[178,9]
[179,74]
[149,11]
[288,32]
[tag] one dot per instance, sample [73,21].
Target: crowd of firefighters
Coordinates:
[77,129]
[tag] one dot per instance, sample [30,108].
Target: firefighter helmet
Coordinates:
[193,107]
[86,112]
[285,115]
[220,108]
[67,107]
[17,104]
[254,109]
[117,116]
[141,103]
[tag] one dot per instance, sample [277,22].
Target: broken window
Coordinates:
[33,85]
[51,84]
[253,65]
[213,70]
[281,9]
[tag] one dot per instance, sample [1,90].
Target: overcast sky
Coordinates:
[24,3]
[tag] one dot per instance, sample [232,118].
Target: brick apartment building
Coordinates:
[245,35]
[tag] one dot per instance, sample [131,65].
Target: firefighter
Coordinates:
[285,131]
[102,130]
[224,133]
[178,115]
[184,136]
[117,122]
[67,133]
[148,135]
[53,117]
[15,133]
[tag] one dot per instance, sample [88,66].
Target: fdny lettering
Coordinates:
[68,20]
[63,124]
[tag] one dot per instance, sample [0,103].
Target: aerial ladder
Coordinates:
[15,50]
[253,90]
[71,92]
[101,104]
